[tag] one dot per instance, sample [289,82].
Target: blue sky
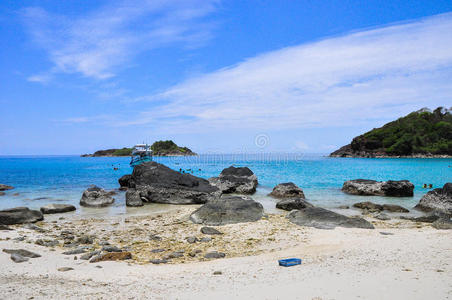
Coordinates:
[216,76]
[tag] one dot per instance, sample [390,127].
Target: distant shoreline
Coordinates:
[391,156]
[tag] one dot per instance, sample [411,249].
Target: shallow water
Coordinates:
[42,180]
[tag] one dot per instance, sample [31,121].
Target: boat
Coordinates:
[141,153]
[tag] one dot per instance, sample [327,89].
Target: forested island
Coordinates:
[159,148]
[423,133]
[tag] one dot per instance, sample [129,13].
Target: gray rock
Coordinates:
[65,269]
[17,258]
[4,187]
[157,250]
[235,180]
[160,184]
[395,208]
[46,242]
[133,198]
[386,233]
[390,188]
[22,252]
[228,210]
[442,224]
[86,239]
[158,261]
[87,256]
[373,207]
[79,250]
[126,182]
[95,196]
[35,228]
[192,239]
[111,249]
[173,255]
[324,219]
[437,200]
[210,230]
[217,273]
[206,239]
[383,217]
[214,254]
[294,203]
[425,219]
[287,190]
[19,215]
[57,208]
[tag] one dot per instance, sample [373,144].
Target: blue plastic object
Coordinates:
[289,262]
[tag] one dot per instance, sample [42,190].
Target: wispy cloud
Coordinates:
[97,44]
[370,75]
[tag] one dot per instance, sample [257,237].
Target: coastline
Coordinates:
[350,260]
[390,156]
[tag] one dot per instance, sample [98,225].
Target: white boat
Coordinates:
[141,153]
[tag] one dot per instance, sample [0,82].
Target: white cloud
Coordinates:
[358,78]
[96,44]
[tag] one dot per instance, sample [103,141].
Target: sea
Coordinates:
[40,180]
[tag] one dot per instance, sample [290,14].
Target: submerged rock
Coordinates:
[57,208]
[239,180]
[95,196]
[4,187]
[325,219]
[19,215]
[228,210]
[291,204]
[439,200]
[160,184]
[287,190]
[373,207]
[390,188]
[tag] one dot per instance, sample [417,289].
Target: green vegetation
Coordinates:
[169,148]
[122,152]
[421,132]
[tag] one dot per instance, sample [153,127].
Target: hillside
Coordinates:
[420,133]
[159,148]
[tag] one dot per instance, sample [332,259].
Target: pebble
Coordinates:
[17,258]
[206,239]
[88,255]
[214,254]
[158,261]
[157,250]
[192,239]
[65,269]
[217,273]
[75,251]
[109,248]
[210,230]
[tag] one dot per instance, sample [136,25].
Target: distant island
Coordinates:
[423,133]
[159,148]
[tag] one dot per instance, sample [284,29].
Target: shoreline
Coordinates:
[348,259]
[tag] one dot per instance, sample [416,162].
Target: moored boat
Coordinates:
[141,153]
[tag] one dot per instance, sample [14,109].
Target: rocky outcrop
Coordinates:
[390,188]
[133,198]
[294,203]
[126,182]
[4,187]
[239,180]
[373,207]
[325,219]
[157,183]
[287,190]
[19,215]
[439,200]
[95,196]
[228,210]
[57,208]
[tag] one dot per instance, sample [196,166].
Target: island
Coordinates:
[423,133]
[159,148]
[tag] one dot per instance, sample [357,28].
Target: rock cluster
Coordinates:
[390,188]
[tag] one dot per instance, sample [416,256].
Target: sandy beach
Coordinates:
[398,259]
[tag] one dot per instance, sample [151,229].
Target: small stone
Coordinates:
[383,217]
[217,273]
[344,207]
[157,250]
[154,237]
[158,261]
[210,230]
[206,239]
[111,256]
[65,269]
[17,258]
[111,249]
[35,228]
[87,256]
[85,239]
[99,267]
[75,251]
[386,233]
[22,252]
[214,254]
[46,243]
[192,239]
[4,227]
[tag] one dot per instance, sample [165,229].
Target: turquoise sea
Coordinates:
[39,180]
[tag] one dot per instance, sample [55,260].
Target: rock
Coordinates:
[87,256]
[192,239]
[324,219]
[157,250]
[228,210]
[383,217]
[57,208]
[439,200]
[111,256]
[65,269]
[343,207]
[425,219]
[395,208]
[287,190]
[295,203]
[386,233]
[86,239]
[235,180]
[79,250]
[390,188]
[173,255]
[158,261]
[35,228]
[4,187]
[373,207]
[46,242]
[214,254]
[160,184]
[4,227]
[19,215]
[442,224]
[133,198]
[206,239]
[210,230]
[217,273]
[22,252]
[126,182]
[17,258]
[111,249]
[2,193]
[95,196]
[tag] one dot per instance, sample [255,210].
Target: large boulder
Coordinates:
[239,180]
[20,215]
[287,190]
[373,207]
[95,196]
[160,184]
[228,210]
[390,188]
[293,203]
[57,208]
[4,187]
[325,219]
[439,200]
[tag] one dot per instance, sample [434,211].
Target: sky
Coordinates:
[216,76]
